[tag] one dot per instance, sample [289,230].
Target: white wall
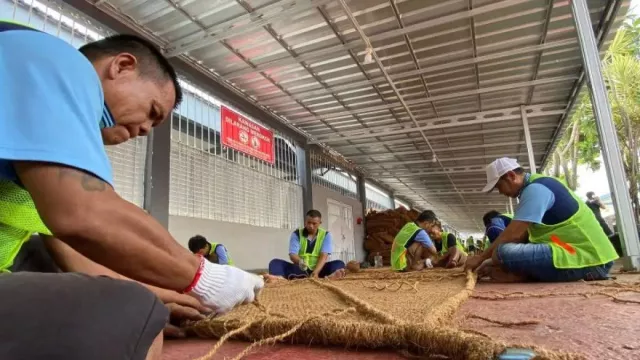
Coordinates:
[251,247]
[320,196]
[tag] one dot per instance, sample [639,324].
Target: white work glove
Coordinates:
[303,266]
[222,287]
[428,263]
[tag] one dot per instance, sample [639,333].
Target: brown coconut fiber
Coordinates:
[373,308]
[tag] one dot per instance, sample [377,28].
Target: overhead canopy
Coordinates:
[465,71]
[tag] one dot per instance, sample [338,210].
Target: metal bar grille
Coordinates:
[331,174]
[128,159]
[211,181]
[377,199]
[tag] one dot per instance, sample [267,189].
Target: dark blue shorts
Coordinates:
[535,262]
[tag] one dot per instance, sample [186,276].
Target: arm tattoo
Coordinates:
[88,181]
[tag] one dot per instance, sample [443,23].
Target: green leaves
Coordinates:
[580,143]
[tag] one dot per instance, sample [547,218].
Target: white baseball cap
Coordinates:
[496,169]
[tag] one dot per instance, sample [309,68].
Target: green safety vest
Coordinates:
[398,249]
[577,242]
[444,249]
[19,219]
[311,259]
[213,251]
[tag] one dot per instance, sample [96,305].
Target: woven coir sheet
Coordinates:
[374,308]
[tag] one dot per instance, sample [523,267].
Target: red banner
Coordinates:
[246,136]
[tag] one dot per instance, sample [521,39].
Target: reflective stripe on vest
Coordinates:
[445,249]
[311,259]
[212,251]
[577,242]
[399,247]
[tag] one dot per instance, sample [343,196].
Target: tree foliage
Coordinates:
[579,144]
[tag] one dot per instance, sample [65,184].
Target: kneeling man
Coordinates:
[566,242]
[450,251]
[309,249]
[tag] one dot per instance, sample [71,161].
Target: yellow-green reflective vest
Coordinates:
[444,249]
[577,242]
[212,251]
[398,249]
[19,219]
[311,259]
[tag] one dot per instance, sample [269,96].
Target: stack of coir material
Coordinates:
[374,308]
[382,228]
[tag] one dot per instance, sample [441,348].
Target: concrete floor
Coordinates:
[597,327]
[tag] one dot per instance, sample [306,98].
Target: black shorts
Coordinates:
[76,317]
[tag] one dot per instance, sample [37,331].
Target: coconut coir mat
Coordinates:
[375,308]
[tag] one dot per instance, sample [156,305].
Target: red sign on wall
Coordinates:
[246,136]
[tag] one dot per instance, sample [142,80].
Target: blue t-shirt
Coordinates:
[495,228]
[535,200]
[423,238]
[221,251]
[51,105]
[294,243]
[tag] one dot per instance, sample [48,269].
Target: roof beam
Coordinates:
[241,25]
[450,96]
[453,135]
[454,148]
[330,52]
[450,170]
[442,123]
[424,161]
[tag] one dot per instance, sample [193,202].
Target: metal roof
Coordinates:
[456,76]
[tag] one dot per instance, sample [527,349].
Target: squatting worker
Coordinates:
[566,242]
[57,107]
[450,250]
[213,252]
[413,246]
[495,223]
[309,250]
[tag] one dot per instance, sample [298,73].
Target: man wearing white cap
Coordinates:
[566,242]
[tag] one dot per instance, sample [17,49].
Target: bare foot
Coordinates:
[339,274]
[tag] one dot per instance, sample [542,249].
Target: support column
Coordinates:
[527,140]
[362,194]
[393,201]
[511,206]
[607,135]
[304,176]
[157,173]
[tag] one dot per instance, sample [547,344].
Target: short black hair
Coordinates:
[426,216]
[314,214]
[590,194]
[486,219]
[152,62]
[518,171]
[197,243]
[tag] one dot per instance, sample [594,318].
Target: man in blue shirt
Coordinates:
[309,249]
[494,223]
[553,236]
[58,107]
[216,253]
[412,247]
